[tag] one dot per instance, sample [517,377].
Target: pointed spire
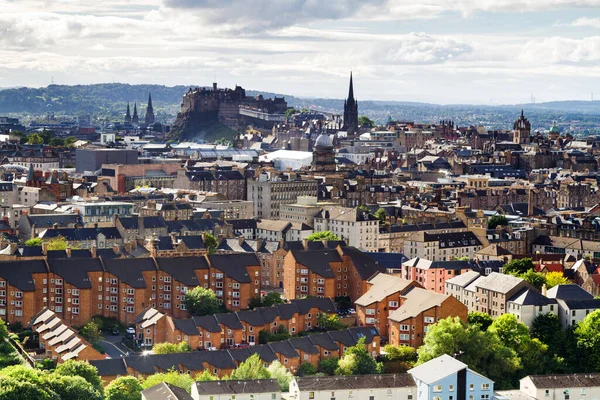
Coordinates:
[351,89]
[522,113]
[149,119]
[135,119]
[128,114]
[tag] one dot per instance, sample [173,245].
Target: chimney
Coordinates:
[325,243]
[44,248]
[68,250]
[117,249]
[530,203]
[544,290]
[259,243]
[241,240]
[93,250]
[13,247]
[305,244]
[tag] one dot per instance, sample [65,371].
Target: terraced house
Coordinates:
[80,284]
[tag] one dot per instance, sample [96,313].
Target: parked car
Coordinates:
[131,330]
[115,331]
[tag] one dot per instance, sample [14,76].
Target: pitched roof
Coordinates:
[365,265]
[565,381]
[382,285]
[304,306]
[530,297]
[234,265]
[130,270]
[568,292]
[437,369]
[318,261]
[164,391]
[207,388]
[500,283]
[325,383]
[183,269]
[19,273]
[465,279]
[417,301]
[76,271]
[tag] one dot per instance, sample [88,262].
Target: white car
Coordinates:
[131,330]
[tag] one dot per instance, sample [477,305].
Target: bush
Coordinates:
[16,327]
[265,336]
[14,336]
[307,369]
[328,365]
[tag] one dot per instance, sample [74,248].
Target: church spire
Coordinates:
[351,89]
[149,119]
[128,115]
[351,111]
[135,119]
[30,173]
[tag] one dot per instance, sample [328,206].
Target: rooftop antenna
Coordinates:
[592,96]
[52,82]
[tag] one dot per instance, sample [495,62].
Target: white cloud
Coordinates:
[561,50]
[586,22]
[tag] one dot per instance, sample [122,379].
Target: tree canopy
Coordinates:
[555,278]
[183,381]
[171,348]
[319,236]
[200,301]
[497,220]
[364,121]
[381,215]
[282,374]
[518,266]
[211,243]
[358,361]
[124,388]
[480,318]
[82,369]
[252,368]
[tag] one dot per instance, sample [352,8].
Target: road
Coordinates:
[113,347]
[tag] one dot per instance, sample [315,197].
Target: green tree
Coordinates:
[56,142]
[588,338]
[536,279]
[264,336]
[200,301]
[210,242]
[124,388]
[480,318]
[319,236]
[329,365]
[271,299]
[171,348]
[70,141]
[35,138]
[3,330]
[401,353]
[252,368]
[33,242]
[82,369]
[555,278]
[183,381]
[381,215]
[282,374]
[518,266]
[364,121]
[206,376]
[57,243]
[330,323]
[73,388]
[358,361]
[91,332]
[14,389]
[307,369]
[481,350]
[547,328]
[290,111]
[497,220]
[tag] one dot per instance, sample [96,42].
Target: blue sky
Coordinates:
[440,51]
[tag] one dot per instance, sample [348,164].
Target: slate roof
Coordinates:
[253,318]
[164,391]
[19,273]
[76,271]
[382,286]
[48,220]
[187,326]
[365,265]
[130,270]
[313,245]
[321,303]
[79,234]
[388,260]
[417,301]
[230,320]
[500,283]
[207,388]
[568,292]
[318,261]
[234,265]
[437,369]
[207,322]
[333,383]
[531,297]
[284,348]
[565,381]
[183,269]
[110,367]
[242,224]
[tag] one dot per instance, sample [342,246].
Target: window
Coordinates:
[429,320]
[404,328]
[485,386]
[451,388]
[75,310]
[370,311]
[471,386]
[311,395]
[547,394]
[393,304]
[485,397]
[437,388]
[404,337]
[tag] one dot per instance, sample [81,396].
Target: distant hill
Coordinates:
[107,102]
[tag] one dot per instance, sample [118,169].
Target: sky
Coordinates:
[438,51]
